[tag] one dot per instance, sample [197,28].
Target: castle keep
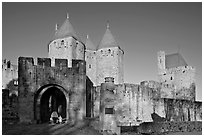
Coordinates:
[81,80]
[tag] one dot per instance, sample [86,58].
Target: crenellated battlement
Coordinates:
[180,69]
[46,62]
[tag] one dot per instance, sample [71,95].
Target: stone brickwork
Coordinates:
[9,74]
[9,91]
[108,103]
[33,79]
[109,64]
[177,82]
[66,48]
[136,104]
[90,58]
[77,75]
[96,101]
[9,107]
[164,127]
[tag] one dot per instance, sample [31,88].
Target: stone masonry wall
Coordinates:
[80,53]
[179,83]
[136,103]
[9,73]
[66,48]
[96,101]
[9,91]
[90,58]
[32,78]
[108,65]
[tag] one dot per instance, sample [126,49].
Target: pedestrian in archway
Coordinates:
[54,117]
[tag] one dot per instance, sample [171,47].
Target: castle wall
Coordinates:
[129,107]
[66,48]
[9,74]
[108,104]
[198,111]
[137,103]
[32,78]
[120,70]
[9,91]
[108,65]
[161,62]
[177,82]
[90,58]
[80,50]
[96,101]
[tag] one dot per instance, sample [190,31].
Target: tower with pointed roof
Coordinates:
[65,44]
[109,59]
[90,58]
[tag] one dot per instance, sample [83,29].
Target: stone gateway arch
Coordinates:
[51,98]
[43,89]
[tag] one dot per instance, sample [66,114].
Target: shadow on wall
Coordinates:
[10,102]
[157,118]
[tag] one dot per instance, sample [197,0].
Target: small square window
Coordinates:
[109,111]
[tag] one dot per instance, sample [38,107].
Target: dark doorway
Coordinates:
[89,98]
[53,99]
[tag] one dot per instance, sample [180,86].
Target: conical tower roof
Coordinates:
[108,39]
[89,44]
[174,60]
[65,30]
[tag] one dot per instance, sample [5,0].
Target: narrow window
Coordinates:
[171,78]
[109,50]
[8,64]
[89,65]
[62,42]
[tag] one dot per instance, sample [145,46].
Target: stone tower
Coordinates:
[176,76]
[90,58]
[161,62]
[109,58]
[65,44]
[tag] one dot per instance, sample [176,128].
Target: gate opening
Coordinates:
[53,99]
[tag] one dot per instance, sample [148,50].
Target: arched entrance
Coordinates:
[48,99]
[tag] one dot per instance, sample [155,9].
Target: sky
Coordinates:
[141,29]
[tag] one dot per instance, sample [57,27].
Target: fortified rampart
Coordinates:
[71,82]
[177,78]
[33,77]
[9,91]
[9,73]
[136,104]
